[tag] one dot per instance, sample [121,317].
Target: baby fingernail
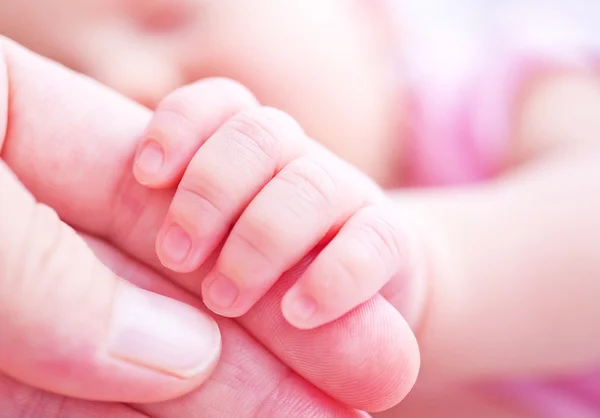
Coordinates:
[175,246]
[222,293]
[150,158]
[153,331]
[300,307]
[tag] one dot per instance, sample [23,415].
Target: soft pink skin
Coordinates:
[85,136]
[275,195]
[248,382]
[298,56]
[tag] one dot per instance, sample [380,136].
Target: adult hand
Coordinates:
[68,324]
[71,142]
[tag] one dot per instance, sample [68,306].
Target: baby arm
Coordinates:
[513,269]
[514,264]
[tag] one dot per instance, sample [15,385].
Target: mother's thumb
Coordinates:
[69,326]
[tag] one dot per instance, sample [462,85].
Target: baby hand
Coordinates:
[251,181]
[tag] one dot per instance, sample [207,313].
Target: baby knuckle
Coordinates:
[257,235]
[252,132]
[379,233]
[312,181]
[187,105]
[192,205]
[280,122]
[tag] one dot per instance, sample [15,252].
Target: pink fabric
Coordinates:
[459,138]
[463,139]
[461,114]
[574,397]
[462,136]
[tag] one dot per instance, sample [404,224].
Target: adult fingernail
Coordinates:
[221,293]
[153,331]
[175,246]
[150,159]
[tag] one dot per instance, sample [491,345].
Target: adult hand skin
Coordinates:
[72,327]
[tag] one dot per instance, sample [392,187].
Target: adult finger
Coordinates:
[20,400]
[70,326]
[248,381]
